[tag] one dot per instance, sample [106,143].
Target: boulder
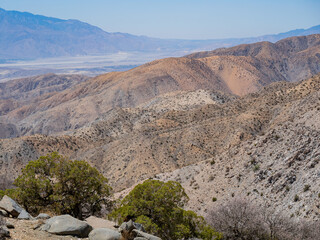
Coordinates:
[3,213]
[10,206]
[24,215]
[66,225]
[43,216]
[9,225]
[130,225]
[145,235]
[104,234]
[96,222]
[4,232]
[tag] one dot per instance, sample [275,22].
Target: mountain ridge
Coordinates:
[28,36]
[224,71]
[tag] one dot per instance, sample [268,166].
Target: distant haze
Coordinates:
[182,19]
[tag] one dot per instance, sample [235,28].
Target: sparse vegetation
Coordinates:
[240,219]
[296,198]
[256,167]
[306,187]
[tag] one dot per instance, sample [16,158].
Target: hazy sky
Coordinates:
[188,19]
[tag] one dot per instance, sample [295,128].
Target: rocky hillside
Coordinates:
[236,71]
[16,94]
[264,144]
[290,59]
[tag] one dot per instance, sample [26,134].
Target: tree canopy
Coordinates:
[158,206]
[62,185]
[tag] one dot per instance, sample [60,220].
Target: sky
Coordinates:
[181,19]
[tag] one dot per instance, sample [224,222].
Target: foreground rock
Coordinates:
[66,225]
[24,215]
[96,222]
[104,234]
[10,206]
[43,216]
[3,213]
[142,235]
[4,232]
[135,231]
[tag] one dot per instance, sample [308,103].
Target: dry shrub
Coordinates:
[239,218]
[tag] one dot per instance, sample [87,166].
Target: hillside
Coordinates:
[27,91]
[237,71]
[245,145]
[27,36]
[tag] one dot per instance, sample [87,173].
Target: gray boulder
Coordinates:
[43,216]
[4,232]
[24,215]
[3,213]
[96,222]
[145,235]
[130,225]
[10,206]
[104,234]
[66,225]
[131,230]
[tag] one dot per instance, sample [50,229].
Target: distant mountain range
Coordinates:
[27,36]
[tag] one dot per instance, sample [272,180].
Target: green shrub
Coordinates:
[158,206]
[306,187]
[296,198]
[58,184]
[13,193]
[256,167]
[214,199]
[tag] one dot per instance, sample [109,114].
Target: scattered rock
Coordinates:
[24,215]
[4,232]
[96,222]
[9,225]
[66,225]
[10,206]
[131,230]
[144,235]
[3,213]
[43,216]
[104,234]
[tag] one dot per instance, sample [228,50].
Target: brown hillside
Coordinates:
[238,70]
[129,145]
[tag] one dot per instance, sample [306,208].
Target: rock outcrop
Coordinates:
[104,234]
[66,225]
[24,215]
[10,206]
[43,216]
[131,230]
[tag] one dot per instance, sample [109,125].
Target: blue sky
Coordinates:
[187,19]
